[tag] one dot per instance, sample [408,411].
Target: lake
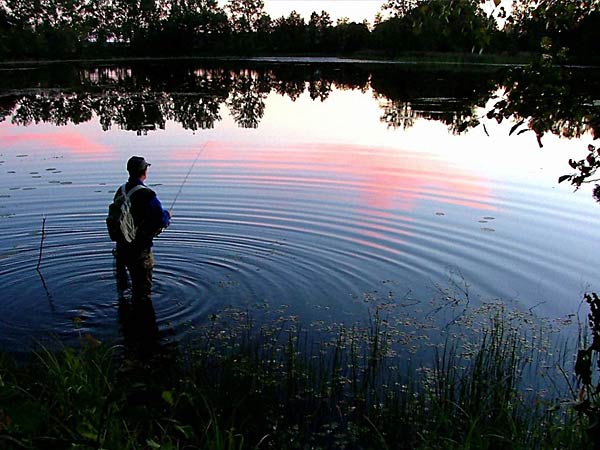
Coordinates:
[322,186]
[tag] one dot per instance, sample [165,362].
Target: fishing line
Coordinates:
[188,174]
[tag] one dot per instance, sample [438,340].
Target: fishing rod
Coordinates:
[188,174]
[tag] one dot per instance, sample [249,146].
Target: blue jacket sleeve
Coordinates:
[160,213]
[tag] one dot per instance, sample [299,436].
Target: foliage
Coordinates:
[246,14]
[533,20]
[586,168]
[193,25]
[589,396]
[400,8]
[545,97]
[71,29]
[430,25]
[289,34]
[320,34]
[241,385]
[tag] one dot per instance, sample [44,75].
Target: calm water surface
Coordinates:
[317,194]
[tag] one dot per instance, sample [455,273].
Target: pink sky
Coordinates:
[383,178]
[56,139]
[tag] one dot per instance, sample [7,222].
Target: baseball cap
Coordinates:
[137,164]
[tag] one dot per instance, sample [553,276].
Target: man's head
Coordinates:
[137,166]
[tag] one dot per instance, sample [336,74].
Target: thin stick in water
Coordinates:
[41,243]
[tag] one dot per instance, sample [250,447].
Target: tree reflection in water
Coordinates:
[143,97]
[246,101]
[544,97]
[549,97]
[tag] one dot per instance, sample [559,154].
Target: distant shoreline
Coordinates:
[434,58]
[447,59]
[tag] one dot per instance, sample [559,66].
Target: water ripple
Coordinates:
[313,231]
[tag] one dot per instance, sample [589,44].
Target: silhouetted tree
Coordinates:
[393,36]
[245,15]
[137,20]
[289,33]
[352,36]
[193,25]
[533,20]
[320,32]
[431,25]
[584,39]
[6,29]
[249,23]
[400,8]
[72,28]
[455,25]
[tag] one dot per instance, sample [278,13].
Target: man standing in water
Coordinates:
[149,219]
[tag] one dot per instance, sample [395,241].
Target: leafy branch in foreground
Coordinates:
[546,97]
[586,168]
[589,395]
[543,97]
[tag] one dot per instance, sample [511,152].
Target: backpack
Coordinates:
[119,221]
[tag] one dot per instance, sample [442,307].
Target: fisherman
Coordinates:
[149,219]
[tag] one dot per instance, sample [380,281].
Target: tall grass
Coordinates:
[279,385]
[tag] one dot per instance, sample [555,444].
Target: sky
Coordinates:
[355,10]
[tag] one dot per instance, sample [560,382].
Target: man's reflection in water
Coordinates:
[139,328]
[147,363]
[137,319]
[121,276]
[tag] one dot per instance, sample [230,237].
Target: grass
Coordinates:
[279,385]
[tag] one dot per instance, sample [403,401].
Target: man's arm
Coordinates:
[161,215]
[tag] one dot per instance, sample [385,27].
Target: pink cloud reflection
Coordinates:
[63,140]
[380,178]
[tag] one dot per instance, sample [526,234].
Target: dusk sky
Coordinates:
[355,10]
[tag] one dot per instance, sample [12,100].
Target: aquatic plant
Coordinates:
[245,384]
[588,401]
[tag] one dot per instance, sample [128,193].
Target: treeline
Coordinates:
[108,28]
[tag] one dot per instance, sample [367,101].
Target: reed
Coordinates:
[281,385]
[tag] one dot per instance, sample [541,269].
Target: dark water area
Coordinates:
[320,188]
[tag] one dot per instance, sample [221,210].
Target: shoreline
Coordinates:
[441,59]
[457,60]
